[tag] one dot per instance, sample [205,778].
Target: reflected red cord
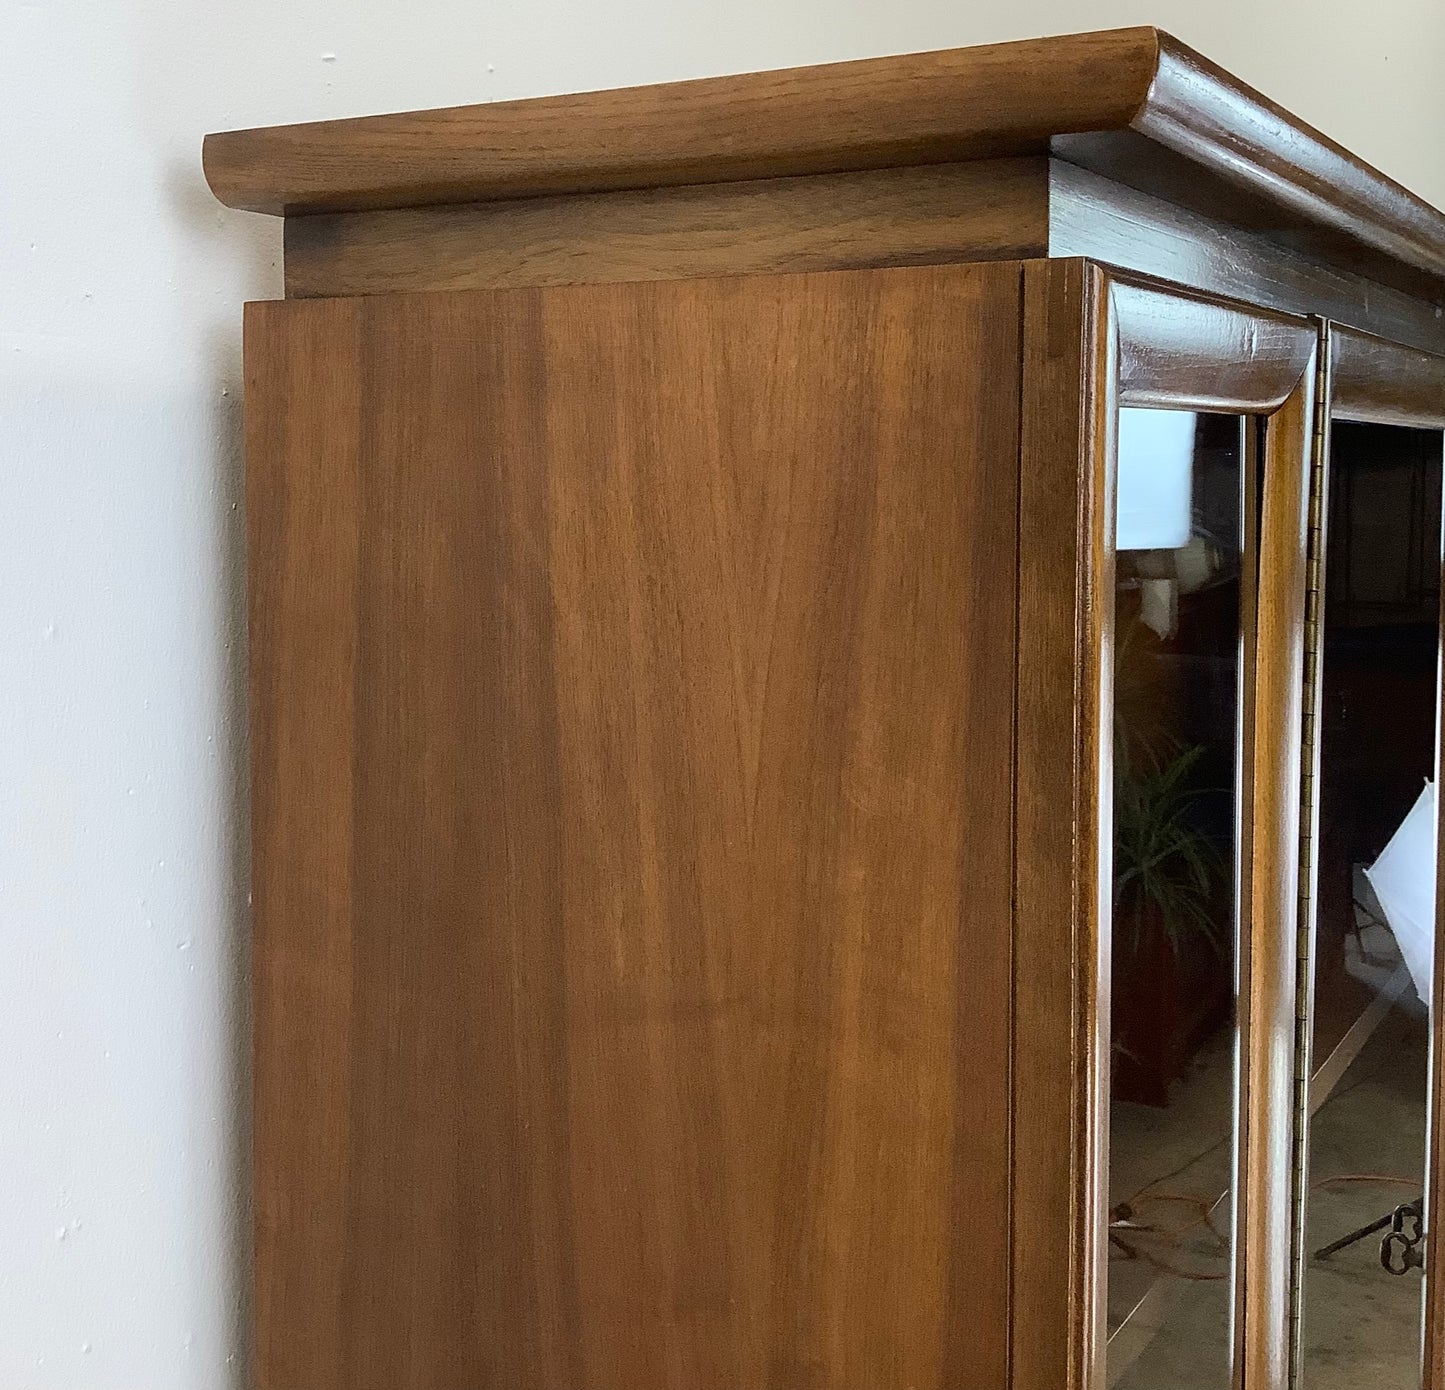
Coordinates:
[1122,1220]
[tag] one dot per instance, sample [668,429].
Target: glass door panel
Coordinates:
[1196,508]
[1182,605]
[1374,910]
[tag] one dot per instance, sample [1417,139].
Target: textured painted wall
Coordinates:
[122,790]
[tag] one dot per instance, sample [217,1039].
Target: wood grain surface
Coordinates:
[1107,221]
[1383,382]
[1200,111]
[992,209]
[1273,769]
[921,108]
[1179,351]
[632,690]
[1134,104]
[1057,960]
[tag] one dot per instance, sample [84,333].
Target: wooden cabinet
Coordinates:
[793,645]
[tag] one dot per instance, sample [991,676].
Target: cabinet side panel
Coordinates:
[302,405]
[634,891]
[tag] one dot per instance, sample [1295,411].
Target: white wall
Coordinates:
[122,805]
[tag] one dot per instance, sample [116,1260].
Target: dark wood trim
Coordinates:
[1384,382]
[1189,352]
[1060,672]
[1267,1199]
[1134,103]
[993,209]
[1195,353]
[1091,215]
[1094,341]
[1200,111]
[1192,352]
[1209,143]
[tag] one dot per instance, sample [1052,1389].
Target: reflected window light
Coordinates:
[1154,479]
[1403,878]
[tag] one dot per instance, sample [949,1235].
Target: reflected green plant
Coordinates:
[1162,860]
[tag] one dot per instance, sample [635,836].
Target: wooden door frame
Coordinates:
[1094,340]
[1373,380]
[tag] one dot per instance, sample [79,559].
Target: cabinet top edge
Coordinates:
[1096,99]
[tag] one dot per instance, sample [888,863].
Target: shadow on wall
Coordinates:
[194,70]
[253,245]
[125,868]
[234,962]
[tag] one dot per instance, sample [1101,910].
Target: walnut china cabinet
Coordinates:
[845,711]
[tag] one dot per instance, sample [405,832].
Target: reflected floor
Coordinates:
[1361,1324]
[1177,1328]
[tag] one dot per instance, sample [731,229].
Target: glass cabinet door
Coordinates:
[1202,577]
[1252,1001]
[1184,581]
[1366,1049]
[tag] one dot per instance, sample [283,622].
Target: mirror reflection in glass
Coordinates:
[1374,911]
[1179,622]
